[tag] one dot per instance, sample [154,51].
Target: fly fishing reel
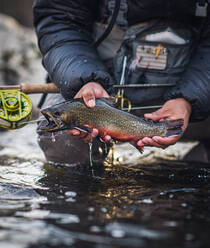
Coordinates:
[15,109]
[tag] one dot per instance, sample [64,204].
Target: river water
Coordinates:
[165,204]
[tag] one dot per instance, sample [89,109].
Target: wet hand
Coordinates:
[87,137]
[89,92]
[173,109]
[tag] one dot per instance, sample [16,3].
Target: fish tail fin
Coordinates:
[174,127]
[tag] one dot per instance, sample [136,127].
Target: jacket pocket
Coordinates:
[150,63]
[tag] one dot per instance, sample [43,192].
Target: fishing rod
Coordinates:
[16,105]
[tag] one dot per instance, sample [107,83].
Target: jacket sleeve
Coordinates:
[64,30]
[195,83]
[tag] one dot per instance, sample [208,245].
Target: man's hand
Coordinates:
[173,109]
[89,92]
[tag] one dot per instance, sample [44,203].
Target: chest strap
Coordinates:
[121,20]
[111,24]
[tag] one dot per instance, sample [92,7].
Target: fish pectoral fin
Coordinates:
[138,148]
[141,149]
[83,129]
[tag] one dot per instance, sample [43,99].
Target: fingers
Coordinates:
[91,136]
[157,141]
[167,141]
[139,147]
[74,132]
[87,137]
[89,99]
[89,92]
[78,134]
[88,95]
[106,138]
[151,142]
[158,115]
[105,94]
[173,109]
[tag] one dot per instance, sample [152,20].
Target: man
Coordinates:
[65,30]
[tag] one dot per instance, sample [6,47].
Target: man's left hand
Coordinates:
[174,109]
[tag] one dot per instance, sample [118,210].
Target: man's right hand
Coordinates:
[89,92]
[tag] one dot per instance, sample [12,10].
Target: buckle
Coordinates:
[201,9]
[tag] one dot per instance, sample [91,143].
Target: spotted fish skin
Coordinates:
[109,120]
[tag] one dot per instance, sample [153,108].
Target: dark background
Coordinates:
[19,9]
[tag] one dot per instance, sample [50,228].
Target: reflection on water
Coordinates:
[157,205]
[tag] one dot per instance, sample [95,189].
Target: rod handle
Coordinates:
[39,88]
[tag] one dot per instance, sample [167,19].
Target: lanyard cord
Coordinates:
[111,24]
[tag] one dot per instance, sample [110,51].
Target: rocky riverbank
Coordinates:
[20,59]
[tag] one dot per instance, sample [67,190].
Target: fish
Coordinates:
[108,119]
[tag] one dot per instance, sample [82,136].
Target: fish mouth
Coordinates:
[52,123]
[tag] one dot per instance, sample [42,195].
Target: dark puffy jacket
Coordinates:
[64,29]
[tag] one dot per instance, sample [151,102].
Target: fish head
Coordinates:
[55,119]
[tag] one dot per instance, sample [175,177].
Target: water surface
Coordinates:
[165,204]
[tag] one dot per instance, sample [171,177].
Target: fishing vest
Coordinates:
[148,58]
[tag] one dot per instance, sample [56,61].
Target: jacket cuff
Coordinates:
[70,89]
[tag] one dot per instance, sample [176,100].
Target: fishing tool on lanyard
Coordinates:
[120,93]
[16,106]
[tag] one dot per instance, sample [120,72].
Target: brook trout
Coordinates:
[109,120]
